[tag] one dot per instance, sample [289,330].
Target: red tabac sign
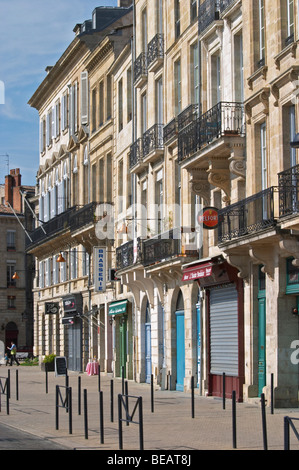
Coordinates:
[208,217]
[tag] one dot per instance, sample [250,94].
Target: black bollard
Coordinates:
[123,380]
[101,417]
[111,401]
[234,421]
[272,394]
[79,395]
[152,393]
[70,409]
[141,447]
[56,407]
[120,430]
[223,391]
[127,402]
[99,379]
[17,384]
[264,421]
[192,396]
[85,414]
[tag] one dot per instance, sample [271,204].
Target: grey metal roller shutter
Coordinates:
[224,331]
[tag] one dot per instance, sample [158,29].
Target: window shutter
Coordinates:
[41,146]
[41,209]
[62,114]
[71,117]
[53,123]
[48,130]
[75,107]
[46,207]
[84,98]
[41,274]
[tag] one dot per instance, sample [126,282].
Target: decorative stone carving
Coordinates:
[221,179]
[290,247]
[264,255]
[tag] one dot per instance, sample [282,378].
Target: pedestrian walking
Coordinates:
[13,354]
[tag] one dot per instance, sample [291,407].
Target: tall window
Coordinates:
[94,110]
[101,179]
[64,111]
[129,95]
[120,185]
[159,16]
[292,121]
[11,240]
[120,105]
[86,176]
[109,97]
[159,101]
[159,200]
[74,263]
[109,177]
[177,19]
[263,155]
[10,270]
[144,223]
[261,33]
[144,30]
[75,181]
[101,103]
[194,73]
[193,9]
[238,68]
[143,113]
[290,21]
[216,79]
[177,87]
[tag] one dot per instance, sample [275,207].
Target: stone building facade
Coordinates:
[191,110]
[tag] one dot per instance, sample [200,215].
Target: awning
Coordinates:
[191,274]
[118,308]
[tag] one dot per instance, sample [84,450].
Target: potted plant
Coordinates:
[48,363]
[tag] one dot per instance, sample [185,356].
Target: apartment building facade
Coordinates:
[17,268]
[181,169]
[69,299]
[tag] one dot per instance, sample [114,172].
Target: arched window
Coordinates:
[180,302]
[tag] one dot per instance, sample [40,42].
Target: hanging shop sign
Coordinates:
[198,272]
[99,257]
[208,217]
[51,307]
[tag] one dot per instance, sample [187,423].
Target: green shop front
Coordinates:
[120,317]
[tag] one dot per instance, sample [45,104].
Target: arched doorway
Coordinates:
[180,342]
[11,334]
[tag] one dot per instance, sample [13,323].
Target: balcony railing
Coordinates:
[170,130]
[135,153]
[224,119]
[247,217]
[125,254]
[155,49]
[152,139]
[187,116]
[140,66]
[208,12]
[55,225]
[288,185]
[161,247]
[83,216]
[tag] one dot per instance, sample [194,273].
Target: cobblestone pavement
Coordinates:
[169,427]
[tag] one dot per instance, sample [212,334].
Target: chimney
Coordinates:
[124,3]
[12,189]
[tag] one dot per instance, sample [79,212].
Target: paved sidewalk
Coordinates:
[169,428]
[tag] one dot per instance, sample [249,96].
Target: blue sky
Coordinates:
[33,34]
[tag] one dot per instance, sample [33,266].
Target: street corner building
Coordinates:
[166,246]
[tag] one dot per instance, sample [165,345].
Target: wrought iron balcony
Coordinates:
[161,247]
[187,116]
[140,67]
[135,153]
[224,119]
[83,216]
[125,254]
[155,51]
[170,131]
[53,227]
[288,186]
[152,139]
[208,12]
[247,217]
